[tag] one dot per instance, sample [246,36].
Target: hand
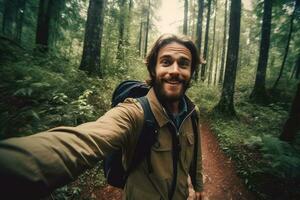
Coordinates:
[199,196]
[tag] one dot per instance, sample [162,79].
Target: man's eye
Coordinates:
[184,63]
[165,62]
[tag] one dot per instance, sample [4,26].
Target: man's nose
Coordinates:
[174,68]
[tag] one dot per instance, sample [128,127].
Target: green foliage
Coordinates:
[42,92]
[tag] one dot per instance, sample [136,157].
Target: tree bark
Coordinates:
[199,34]
[122,21]
[297,6]
[43,25]
[91,55]
[8,17]
[259,94]
[224,45]
[205,52]
[292,125]
[217,63]
[140,37]
[147,27]
[20,19]
[226,103]
[211,64]
[185,20]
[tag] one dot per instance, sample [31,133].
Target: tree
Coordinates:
[211,64]
[205,52]
[259,94]
[90,61]
[122,20]
[185,20]
[8,17]
[199,32]
[225,105]
[292,125]
[20,19]
[296,69]
[43,25]
[224,45]
[296,9]
[147,27]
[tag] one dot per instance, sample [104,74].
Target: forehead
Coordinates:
[175,49]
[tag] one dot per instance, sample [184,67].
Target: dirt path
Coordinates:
[220,179]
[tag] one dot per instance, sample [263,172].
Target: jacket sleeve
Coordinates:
[199,175]
[33,166]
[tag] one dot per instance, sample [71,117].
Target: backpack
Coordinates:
[114,172]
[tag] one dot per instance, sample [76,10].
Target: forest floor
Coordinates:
[220,178]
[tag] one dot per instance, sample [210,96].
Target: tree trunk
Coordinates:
[90,61]
[199,34]
[259,94]
[147,27]
[217,63]
[20,19]
[297,67]
[297,6]
[211,64]
[43,25]
[8,17]
[129,16]
[224,46]
[226,105]
[192,19]
[140,37]
[122,20]
[185,20]
[205,52]
[292,125]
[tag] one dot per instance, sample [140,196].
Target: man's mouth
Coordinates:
[173,81]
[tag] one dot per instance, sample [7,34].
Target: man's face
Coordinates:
[172,71]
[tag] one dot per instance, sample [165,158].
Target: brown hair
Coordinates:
[164,40]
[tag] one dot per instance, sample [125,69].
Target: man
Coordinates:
[33,166]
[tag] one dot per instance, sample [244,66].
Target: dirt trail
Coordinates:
[220,179]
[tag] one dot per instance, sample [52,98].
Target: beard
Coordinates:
[164,95]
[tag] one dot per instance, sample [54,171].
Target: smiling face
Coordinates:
[172,72]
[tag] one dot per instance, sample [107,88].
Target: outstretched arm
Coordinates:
[31,167]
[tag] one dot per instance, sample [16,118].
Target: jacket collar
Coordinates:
[159,111]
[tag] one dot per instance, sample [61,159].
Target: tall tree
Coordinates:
[122,21]
[20,19]
[199,33]
[185,19]
[259,94]
[147,27]
[224,44]
[43,25]
[8,17]
[217,63]
[211,64]
[226,105]
[296,9]
[205,51]
[292,125]
[296,69]
[90,61]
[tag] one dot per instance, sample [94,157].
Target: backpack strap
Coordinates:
[193,168]
[147,137]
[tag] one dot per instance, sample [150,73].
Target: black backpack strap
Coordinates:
[147,137]
[193,168]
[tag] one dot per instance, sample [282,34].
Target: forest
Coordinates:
[61,60]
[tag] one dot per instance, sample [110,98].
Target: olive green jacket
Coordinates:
[37,164]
